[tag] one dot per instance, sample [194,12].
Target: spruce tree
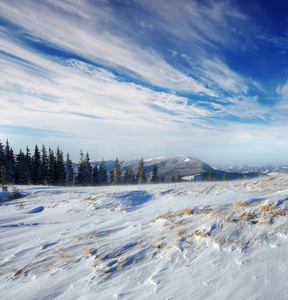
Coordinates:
[2,156]
[36,167]
[154,178]
[20,175]
[224,176]
[96,175]
[28,166]
[178,179]
[210,174]
[44,165]
[201,175]
[3,178]
[10,163]
[60,168]
[129,176]
[81,169]
[116,172]
[51,174]
[173,178]
[69,171]
[88,170]
[103,173]
[141,172]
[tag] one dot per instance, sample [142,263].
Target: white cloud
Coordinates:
[94,43]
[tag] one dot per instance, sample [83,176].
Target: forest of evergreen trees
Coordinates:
[51,168]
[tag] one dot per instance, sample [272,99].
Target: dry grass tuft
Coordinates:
[241,204]
[201,233]
[187,211]
[267,208]
[179,233]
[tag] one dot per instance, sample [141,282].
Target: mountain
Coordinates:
[267,168]
[180,164]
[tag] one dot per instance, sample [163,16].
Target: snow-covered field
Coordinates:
[204,240]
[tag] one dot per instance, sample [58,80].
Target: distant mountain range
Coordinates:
[268,168]
[188,168]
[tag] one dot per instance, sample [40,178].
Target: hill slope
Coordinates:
[216,240]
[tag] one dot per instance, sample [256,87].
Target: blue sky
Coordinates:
[132,78]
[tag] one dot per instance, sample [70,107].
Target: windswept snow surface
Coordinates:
[204,240]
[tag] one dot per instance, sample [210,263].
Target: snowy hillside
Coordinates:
[199,240]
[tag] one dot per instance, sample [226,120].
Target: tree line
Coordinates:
[50,168]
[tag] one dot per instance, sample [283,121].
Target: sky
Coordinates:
[135,78]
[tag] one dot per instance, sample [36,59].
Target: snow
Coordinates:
[197,240]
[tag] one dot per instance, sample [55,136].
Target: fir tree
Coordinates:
[154,178]
[224,176]
[178,179]
[60,168]
[210,174]
[173,178]
[44,164]
[51,174]
[96,175]
[36,167]
[123,176]
[2,156]
[20,175]
[116,172]
[81,169]
[3,178]
[129,176]
[141,172]
[28,165]
[103,173]
[10,163]
[69,171]
[88,170]
[201,175]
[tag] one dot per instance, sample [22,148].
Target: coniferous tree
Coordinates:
[3,178]
[20,175]
[116,172]
[110,176]
[173,178]
[201,175]
[10,163]
[95,175]
[44,165]
[129,176]
[210,174]
[88,170]
[28,165]
[81,169]
[36,167]
[60,168]
[123,177]
[141,172]
[224,176]
[2,166]
[2,155]
[178,179]
[51,174]
[154,178]
[69,171]
[103,173]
